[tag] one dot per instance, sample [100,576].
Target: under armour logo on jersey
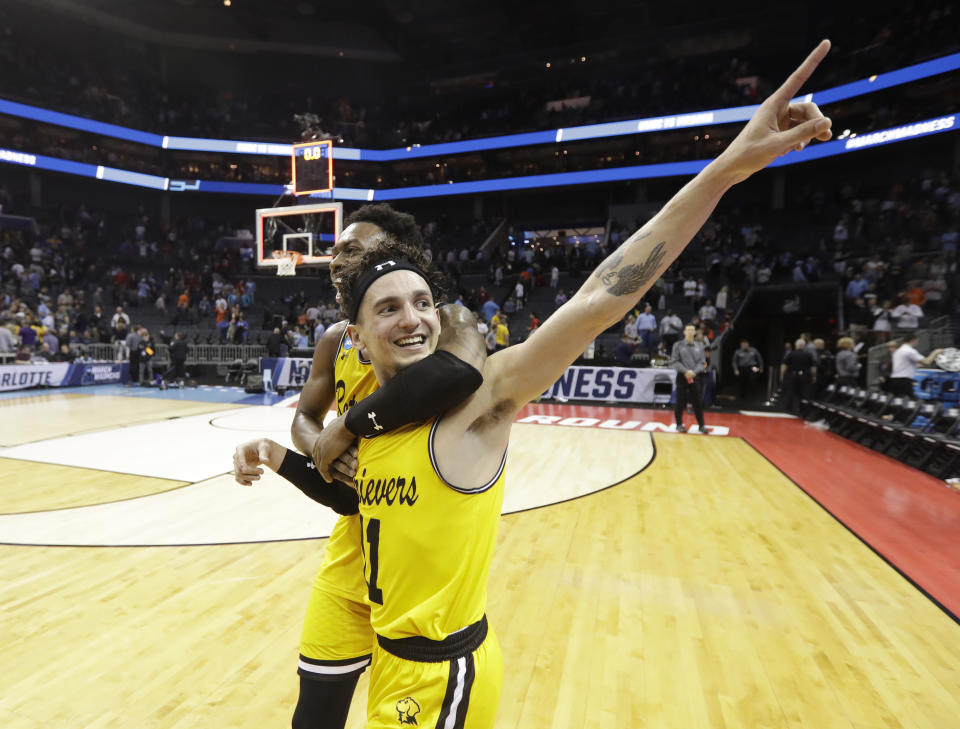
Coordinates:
[381,266]
[311,464]
[373,417]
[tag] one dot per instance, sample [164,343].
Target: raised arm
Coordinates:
[521,373]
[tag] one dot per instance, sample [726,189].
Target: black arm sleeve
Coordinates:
[423,390]
[300,471]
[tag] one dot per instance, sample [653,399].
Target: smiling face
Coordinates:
[397,323]
[353,241]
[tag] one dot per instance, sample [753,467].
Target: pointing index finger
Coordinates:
[798,78]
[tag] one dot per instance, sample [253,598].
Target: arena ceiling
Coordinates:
[418,32]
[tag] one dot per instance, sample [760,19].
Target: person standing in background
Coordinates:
[848,368]
[904,368]
[798,373]
[178,356]
[689,359]
[882,322]
[502,333]
[747,367]
[8,343]
[146,357]
[671,327]
[723,298]
[886,365]
[907,315]
[647,329]
[132,342]
[630,328]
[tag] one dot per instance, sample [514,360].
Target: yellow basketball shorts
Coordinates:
[456,692]
[337,640]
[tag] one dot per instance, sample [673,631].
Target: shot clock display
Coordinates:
[312,167]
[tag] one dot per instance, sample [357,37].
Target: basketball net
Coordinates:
[287,262]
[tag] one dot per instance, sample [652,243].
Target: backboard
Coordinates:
[307,230]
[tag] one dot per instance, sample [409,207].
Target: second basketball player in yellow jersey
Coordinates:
[430,519]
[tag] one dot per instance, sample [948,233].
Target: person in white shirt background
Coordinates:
[882,322]
[630,329]
[907,316]
[671,329]
[904,368]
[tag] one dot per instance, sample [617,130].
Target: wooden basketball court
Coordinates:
[773,577]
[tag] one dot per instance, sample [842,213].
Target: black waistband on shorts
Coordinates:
[424,650]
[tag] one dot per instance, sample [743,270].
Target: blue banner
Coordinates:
[621,385]
[286,372]
[62,374]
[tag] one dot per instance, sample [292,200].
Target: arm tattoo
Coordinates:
[630,278]
[605,270]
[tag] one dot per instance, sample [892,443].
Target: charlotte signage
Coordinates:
[62,374]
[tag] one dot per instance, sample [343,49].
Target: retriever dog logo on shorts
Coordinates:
[407,709]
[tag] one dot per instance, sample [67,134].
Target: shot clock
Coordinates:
[312,167]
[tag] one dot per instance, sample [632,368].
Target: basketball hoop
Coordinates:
[287,262]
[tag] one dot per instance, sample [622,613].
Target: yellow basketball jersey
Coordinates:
[343,561]
[354,375]
[427,544]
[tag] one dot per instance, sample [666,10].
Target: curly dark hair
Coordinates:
[401,227]
[371,257]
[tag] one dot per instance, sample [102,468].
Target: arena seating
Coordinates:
[922,433]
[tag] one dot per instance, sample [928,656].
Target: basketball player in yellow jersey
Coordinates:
[337,639]
[430,493]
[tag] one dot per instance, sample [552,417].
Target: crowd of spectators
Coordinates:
[601,88]
[890,246]
[85,277]
[622,85]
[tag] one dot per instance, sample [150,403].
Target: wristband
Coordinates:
[302,473]
[421,391]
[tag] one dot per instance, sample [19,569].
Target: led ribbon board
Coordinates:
[569,134]
[902,133]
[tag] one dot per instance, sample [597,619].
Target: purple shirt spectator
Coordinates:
[28,336]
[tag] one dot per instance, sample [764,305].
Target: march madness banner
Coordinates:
[62,374]
[287,372]
[620,385]
[600,384]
